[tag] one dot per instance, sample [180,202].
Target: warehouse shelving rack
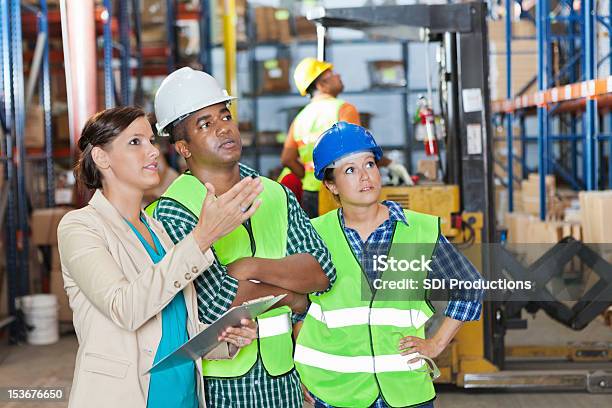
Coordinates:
[560,98]
[18,23]
[257,151]
[12,97]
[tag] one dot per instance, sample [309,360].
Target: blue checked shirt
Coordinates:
[216,291]
[447,263]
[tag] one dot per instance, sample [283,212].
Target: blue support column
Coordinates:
[549,82]
[126,50]
[572,79]
[205,56]
[509,115]
[523,136]
[138,94]
[590,115]
[541,18]
[5,37]
[109,87]
[45,92]
[18,131]
[11,209]
[170,20]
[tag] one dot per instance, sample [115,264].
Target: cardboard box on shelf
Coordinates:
[272,24]
[282,24]
[429,168]
[44,224]
[34,133]
[497,30]
[530,189]
[305,30]
[524,56]
[595,208]
[501,171]
[501,204]
[572,229]
[540,232]
[58,87]
[154,34]
[270,138]
[387,73]
[61,127]
[273,76]
[262,28]
[533,237]
[517,224]
[154,12]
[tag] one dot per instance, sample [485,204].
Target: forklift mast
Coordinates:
[462,30]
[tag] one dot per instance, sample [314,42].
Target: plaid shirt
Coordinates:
[446,263]
[216,291]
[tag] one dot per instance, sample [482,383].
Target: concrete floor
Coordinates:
[51,366]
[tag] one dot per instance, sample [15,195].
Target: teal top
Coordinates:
[175,386]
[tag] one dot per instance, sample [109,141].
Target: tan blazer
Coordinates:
[117,294]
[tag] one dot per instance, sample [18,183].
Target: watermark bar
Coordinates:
[39,394]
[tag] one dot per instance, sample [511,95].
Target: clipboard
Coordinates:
[205,341]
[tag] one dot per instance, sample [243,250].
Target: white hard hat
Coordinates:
[185,91]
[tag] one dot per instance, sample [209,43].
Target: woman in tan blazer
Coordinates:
[116,291]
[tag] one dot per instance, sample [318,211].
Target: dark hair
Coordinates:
[328,175]
[178,130]
[100,130]
[311,88]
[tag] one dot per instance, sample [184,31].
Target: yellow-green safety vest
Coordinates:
[347,350]
[267,238]
[309,124]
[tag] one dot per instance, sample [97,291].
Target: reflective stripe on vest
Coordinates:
[347,350]
[273,326]
[356,364]
[373,316]
[316,117]
[267,239]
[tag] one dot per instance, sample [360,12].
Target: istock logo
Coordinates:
[383,263]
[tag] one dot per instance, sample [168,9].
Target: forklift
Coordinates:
[477,358]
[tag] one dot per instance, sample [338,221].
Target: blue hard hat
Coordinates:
[341,140]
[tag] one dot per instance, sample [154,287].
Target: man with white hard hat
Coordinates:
[276,252]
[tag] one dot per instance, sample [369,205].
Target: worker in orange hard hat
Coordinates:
[322,84]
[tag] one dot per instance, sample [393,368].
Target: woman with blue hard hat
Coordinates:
[363,342]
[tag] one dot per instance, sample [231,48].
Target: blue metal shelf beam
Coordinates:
[541,32]
[124,34]
[590,115]
[45,98]
[509,116]
[6,98]
[109,87]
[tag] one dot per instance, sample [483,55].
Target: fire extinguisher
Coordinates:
[427,119]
